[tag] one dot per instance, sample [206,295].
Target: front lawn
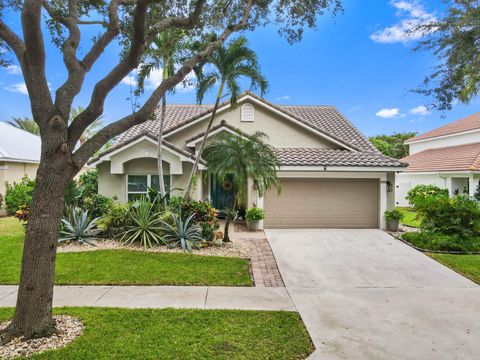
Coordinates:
[439,242]
[183,334]
[409,217]
[124,267]
[467,265]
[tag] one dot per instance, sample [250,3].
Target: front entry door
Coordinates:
[223,195]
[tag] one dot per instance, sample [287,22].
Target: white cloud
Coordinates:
[130,80]
[20,88]
[413,14]
[284,97]
[155,79]
[388,113]
[419,110]
[13,69]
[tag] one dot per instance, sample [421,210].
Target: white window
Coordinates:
[138,185]
[247,113]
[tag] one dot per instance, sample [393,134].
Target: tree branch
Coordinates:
[12,40]
[92,145]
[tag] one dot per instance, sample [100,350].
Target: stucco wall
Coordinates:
[111,185]
[14,172]
[281,132]
[451,140]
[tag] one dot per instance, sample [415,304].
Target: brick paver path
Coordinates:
[264,267]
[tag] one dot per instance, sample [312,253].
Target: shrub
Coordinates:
[114,220]
[254,214]
[393,214]
[90,179]
[419,192]
[97,205]
[458,215]
[203,214]
[145,226]
[80,228]
[19,194]
[184,234]
[433,241]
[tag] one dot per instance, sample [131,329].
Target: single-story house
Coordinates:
[19,155]
[331,175]
[448,156]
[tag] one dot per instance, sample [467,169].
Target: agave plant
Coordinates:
[146,225]
[183,234]
[79,228]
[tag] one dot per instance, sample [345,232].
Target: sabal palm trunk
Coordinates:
[159,155]
[188,192]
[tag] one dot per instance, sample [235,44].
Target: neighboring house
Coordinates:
[448,156]
[19,155]
[331,175]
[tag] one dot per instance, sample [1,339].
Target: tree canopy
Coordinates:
[392,145]
[455,41]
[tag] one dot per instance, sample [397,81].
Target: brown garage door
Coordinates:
[323,203]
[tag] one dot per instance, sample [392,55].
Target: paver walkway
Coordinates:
[194,297]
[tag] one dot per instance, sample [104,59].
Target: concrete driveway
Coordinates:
[365,295]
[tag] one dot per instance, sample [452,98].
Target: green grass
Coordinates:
[467,265]
[183,334]
[439,242]
[123,267]
[410,217]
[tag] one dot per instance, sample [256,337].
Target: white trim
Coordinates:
[442,172]
[278,112]
[149,183]
[407,142]
[332,175]
[20,160]
[193,143]
[108,156]
[340,168]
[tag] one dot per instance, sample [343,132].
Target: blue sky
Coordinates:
[361,62]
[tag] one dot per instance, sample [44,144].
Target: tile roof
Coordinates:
[334,157]
[453,158]
[325,119]
[471,122]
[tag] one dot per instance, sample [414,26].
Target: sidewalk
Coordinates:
[196,297]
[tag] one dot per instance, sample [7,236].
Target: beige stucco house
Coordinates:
[448,157]
[19,155]
[332,177]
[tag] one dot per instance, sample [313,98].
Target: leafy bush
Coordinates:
[90,180]
[146,225]
[419,192]
[255,214]
[19,194]
[458,215]
[114,220]
[97,205]
[184,234]
[393,214]
[80,228]
[203,214]
[433,241]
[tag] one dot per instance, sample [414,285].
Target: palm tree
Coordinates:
[229,63]
[25,124]
[167,52]
[245,157]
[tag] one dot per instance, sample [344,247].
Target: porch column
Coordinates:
[448,185]
[383,203]
[472,185]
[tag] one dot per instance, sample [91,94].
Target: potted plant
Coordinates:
[393,218]
[253,216]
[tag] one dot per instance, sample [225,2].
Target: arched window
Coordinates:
[248,113]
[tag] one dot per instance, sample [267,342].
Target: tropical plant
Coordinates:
[90,179]
[114,221]
[25,124]
[184,234]
[255,214]
[246,157]
[97,205]
[420,192]
[167,53]
[80,228]
[393,214]
[146,225]
[228,65]
[19,194]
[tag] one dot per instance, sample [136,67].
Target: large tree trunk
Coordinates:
[159,156]
[188,193]
[33,314]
